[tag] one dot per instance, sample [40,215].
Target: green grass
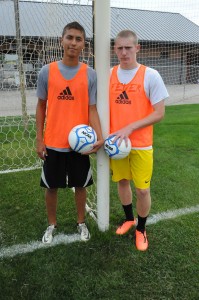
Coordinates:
[17,146]
[109,267]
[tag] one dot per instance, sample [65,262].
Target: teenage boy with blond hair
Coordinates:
[137,95]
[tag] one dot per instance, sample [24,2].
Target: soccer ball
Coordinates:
[82,138]
[113,150]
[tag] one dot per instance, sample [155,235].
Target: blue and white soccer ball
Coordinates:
[113,150]
[82,138]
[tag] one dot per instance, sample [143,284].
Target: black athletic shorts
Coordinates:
[61,169]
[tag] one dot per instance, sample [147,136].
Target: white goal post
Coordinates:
[102,65]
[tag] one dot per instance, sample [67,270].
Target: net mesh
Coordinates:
[29,38]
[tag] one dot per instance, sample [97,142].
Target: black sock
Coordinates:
[141,223]
[128,210]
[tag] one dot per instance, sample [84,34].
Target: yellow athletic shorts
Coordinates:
[137,166]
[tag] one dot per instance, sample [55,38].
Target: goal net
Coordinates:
[168,32]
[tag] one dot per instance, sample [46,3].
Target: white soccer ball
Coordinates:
[82,138]
[113,150]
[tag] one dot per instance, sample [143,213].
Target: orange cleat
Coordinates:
[125,227]
[141,241]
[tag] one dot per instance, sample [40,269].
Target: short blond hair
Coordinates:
[127,33]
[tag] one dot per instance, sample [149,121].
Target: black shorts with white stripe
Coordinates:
[62,169]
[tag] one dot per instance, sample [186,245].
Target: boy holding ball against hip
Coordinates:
[66,97]
[137,96]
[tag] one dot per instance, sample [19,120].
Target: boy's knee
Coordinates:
[142,193]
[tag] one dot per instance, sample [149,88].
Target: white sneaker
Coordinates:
[83,231]
[48,235]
